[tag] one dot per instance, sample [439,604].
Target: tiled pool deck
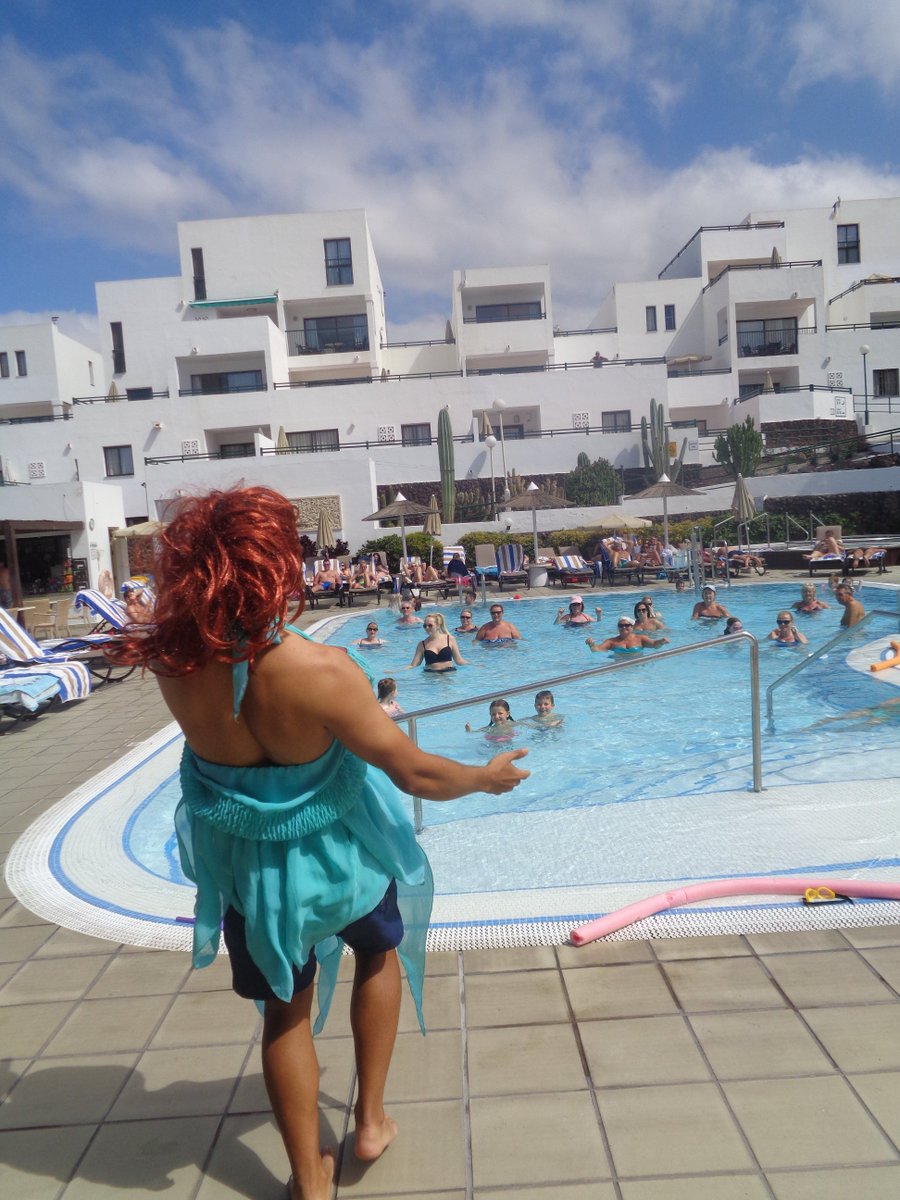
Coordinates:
[729,1068]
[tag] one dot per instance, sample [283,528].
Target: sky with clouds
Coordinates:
[592,135]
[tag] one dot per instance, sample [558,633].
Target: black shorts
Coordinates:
[378,931]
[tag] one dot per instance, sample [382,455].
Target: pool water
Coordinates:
[671,728]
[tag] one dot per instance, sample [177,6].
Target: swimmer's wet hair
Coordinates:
[544,695]
[386,687]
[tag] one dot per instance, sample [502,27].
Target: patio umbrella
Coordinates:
[534,498]
[621,520]
[324,531]
[144,529]
[432,524]
[687,360]
[768,385]
[742,503]
[663,489]
[281,442]
[400,509]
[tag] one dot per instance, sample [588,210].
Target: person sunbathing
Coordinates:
[327,578]
[827,546]
[626,640]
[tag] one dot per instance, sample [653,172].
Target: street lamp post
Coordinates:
[498,407]
[490,441]
[864,351]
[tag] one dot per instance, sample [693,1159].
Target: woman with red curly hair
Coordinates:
[290,823]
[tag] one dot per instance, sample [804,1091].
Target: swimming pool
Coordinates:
[644,786]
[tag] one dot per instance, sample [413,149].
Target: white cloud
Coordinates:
[835,40]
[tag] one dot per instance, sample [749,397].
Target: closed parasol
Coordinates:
[432,524]
[324,531]
[742,504]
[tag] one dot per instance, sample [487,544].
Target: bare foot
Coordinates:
[372,1140]
[320,1189]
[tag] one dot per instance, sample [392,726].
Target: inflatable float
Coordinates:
[889,658]
[715,889]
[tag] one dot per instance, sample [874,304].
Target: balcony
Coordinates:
[300,342]
[757,345]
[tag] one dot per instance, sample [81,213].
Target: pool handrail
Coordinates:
[815,655]
[411,720]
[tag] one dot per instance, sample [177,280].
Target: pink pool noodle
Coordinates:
[764,886]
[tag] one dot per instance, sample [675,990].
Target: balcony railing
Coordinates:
[64,416]
[718,229]
[227,389]
[501,320]
[299,342]
[120,398]
[763,344]
[766,266]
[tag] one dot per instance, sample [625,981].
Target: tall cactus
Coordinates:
[655,445]
[446,461]
[582,461]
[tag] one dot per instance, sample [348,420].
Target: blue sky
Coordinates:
[592,135]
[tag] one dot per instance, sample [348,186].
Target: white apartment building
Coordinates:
[267,360]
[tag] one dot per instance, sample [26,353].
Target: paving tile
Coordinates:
[207,1019]
[52,979]
[100,1026]
[676,1130]
[427,1155]
[427,1068]
[25,1028]
[861,1038]
[190,1081]
[565,1191]
[336,1067]
[792,943]
[522,958]
[718,946]
[873,935]
[640,1051]
[19,943]
[886,961]
[69,943]
[66,1091]
[832,977]
[618,991]
[715,1187]
[601,953]
[803,1123]
[515,998]
[881,1094]
[853,1183]
[7,970]
[151,973]
[215,977]
[440,1003]
[16,915]
[502,1061]
[144,1158]
[760,1044]
[249,1160]
[708,985]
[442,962]
[520,1140]
[35,1163]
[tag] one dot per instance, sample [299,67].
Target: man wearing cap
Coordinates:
[708,608]
[576,614]
[626,640]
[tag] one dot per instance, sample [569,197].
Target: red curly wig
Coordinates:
[226,568]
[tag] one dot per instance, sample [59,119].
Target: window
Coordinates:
[650,318]
[848,243]
[775,336]
[236,450]
[616,422]
[21,364]
[670,316]
[336,335]
[227,381]
[4,365]
[91,372]
[142,393]
[312,441]
[886,382]
[416,435]
[118,347]
[119,460]
[338,261]
[199,274]
[529,311]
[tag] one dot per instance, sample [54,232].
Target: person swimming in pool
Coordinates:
[498,729]
[626,640]
[545,714]
[576,614]
[438,649]
[497,629]
[371,639]
[645,620]
[407,618]
[809,601]
[707,607]
[786,632]
[733,625]
[466,624]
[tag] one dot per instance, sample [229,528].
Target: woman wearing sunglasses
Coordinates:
[786,632]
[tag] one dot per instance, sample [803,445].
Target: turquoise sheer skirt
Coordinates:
[296,892]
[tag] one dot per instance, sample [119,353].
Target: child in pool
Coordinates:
[387,696]
[498,729]
[545,715]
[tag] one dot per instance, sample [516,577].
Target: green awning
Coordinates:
[244,302]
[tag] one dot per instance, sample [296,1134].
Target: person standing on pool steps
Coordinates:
[290,822]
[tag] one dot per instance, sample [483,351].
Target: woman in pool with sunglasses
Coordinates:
[371,640]
[438,649]
[786,632]
[644,619]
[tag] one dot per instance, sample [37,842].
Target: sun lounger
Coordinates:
[106,613]
[630,572]
[486,561]
[572,569]
[19,649]
[509,565]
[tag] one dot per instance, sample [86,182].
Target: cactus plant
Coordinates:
[446,462]
[582,461]
[655,445]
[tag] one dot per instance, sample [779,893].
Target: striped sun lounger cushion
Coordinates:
[104,609]
[73,680]
[572,562]
[21,688]
[509,558]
